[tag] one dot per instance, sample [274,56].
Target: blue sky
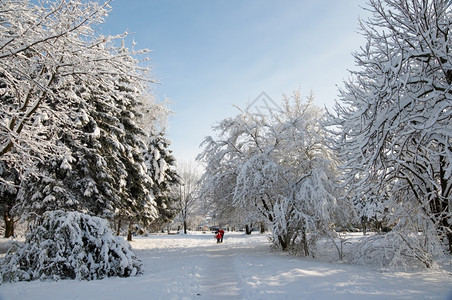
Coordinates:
[210,55]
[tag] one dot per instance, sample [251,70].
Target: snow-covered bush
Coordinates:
[396,249]
[70,245]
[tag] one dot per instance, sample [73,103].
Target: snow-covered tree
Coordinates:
[70,245]
[8,194]
[217,194]
[41,48]
[217,191]
[280,167]
[161,165]
[394,122]
[216,203]
[97,90]
[188,195]
[44,51]
[72,110]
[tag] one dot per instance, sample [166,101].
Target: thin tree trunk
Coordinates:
[364,223]
[305,243]
[9,225]
[129,232]
[118,229]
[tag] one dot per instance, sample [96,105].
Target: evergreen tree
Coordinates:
[70,245]
[41,46]
[90,112]
[160,164]
[105,175]
[41,49]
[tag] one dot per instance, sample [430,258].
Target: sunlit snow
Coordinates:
[194,266]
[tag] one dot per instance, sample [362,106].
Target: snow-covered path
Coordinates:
[220,280]
[243,267]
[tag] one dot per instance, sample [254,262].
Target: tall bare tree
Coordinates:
[189,202]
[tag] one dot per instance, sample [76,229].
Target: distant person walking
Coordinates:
[220,232]
[218,237]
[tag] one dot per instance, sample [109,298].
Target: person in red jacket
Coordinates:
[218,236]
[221,232]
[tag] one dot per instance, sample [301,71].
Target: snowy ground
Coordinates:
[243,267]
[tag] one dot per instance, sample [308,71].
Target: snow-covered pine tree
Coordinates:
[36,54]
[69,245]
[160,164]
[77,129]
[38,58]
[96,89]
[394,121]
[105,175]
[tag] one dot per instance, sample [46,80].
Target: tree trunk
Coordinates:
[248,229]
[304,241]
[185,226]
[9,225]
[364,223]
[449,240]
[129,232]
[118,229]
[283,243]
[262,228]
[379,226]
[445,202]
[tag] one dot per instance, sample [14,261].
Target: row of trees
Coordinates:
[81,131]
[79,127]
[383,154]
